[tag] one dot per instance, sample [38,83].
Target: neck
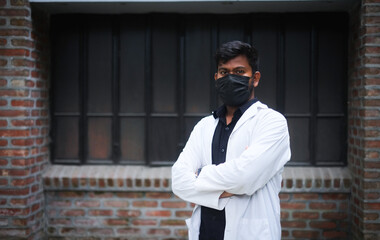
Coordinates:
[231,110]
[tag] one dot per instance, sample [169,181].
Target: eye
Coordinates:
[240,71]
[222,72]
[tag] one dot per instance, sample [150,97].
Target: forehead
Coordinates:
[239,61]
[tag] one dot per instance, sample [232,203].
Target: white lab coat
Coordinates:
[257,151]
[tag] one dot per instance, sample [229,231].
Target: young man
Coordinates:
[232,163]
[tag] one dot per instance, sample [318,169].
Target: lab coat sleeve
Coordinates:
[266,155]
[184,177]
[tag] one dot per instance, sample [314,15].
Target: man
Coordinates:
[232,163]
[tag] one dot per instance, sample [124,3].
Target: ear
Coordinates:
[256,78]
[215,76]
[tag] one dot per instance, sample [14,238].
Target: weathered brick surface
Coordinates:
[318,211]
[23,124]
[364,119]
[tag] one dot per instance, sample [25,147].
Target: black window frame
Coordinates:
[82,22]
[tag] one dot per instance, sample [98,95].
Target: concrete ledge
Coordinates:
[142,178]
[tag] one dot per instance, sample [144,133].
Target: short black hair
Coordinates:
[230,50]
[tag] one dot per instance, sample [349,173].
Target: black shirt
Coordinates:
[213,221]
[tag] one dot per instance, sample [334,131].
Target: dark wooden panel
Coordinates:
[299,140]
[99,138]
[297,67]
[163,140]
[132,69]
[66,66]
[164,66]
[132,142]
[99,65]
[331,69]
[329,141]
[66,138]
[264,39]
[197,64]
[232,27]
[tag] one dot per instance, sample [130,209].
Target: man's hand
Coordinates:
[225,195]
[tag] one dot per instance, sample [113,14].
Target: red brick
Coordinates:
[23,123]
[335,234]
[186,214]
[144,222]
[145,204]
[3,142]
[13,93]
[3,62]
[293,224]
[22,142]
[60,203]
[14,12]
[158,213]
[21,22]
[3,41]
[14,192]
[87,204]
[172,222]
[334,215]
[173,204]
[306,215]
[129,231]
[3,162]
[326,206]
[288,205]
[117,204]
[128,213]
[14,152]
[305,234]
[19,3]
[372,206]
[116,222]
[372,226]
[322,224]
[23,182]
[14,52]
[100,212]
[335,196]
[72,212]
[181,232]
[159,232]
[305,196]
[22,63]
[71,194]
[23,162]
[284,215]
[158,195]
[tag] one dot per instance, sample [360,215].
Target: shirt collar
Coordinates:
[221,111]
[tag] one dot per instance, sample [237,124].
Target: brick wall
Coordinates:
[364,119]
[112,202]
[23,119]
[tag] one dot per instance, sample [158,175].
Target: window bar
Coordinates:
[181,84]
[115,90]
[148,84]
[313,94]
[83,86]
[280,89]
[214,44]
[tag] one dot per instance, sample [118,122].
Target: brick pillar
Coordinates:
[24,120]
[364,120]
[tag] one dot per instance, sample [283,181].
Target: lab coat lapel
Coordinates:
[249,113]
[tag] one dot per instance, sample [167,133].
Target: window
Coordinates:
[128,89]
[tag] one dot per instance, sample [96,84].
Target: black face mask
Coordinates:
[233,90]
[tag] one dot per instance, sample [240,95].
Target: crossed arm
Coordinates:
[265,156]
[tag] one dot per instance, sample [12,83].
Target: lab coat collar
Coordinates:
[249,113]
